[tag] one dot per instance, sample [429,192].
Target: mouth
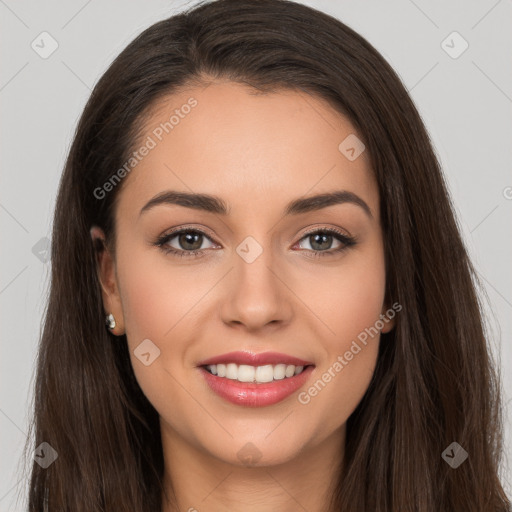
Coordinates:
[255,380]
[254,393]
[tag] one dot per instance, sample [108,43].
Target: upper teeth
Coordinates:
[246,373]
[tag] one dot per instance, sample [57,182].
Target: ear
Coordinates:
[105,266]
[388,317]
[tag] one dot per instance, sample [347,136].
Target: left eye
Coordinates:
[321,240]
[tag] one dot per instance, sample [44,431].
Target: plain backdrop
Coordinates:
[464,98]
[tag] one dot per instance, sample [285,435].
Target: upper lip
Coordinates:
[252,359]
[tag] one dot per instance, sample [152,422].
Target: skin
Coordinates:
[257,152]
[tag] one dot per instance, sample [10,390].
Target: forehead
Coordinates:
[255,150]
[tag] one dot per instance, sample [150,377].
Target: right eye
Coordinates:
[190,241]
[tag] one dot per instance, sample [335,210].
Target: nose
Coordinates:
[256,294]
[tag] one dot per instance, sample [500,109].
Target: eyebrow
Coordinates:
[217,205]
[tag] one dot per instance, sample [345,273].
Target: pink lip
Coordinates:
[252,394]
[253,359]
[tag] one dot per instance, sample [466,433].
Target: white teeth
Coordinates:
[264,373]
[246,373]
[279,371]
[231,371]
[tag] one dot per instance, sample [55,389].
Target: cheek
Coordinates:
[157,295]
[349,299]
[350,306]
[158,305]
[357,320]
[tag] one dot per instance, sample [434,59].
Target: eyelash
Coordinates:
[347,241]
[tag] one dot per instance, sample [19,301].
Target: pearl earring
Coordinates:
[110,321]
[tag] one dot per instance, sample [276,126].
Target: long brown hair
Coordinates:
[435,382]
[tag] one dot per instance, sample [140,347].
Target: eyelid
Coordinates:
[176,231]
[323,227]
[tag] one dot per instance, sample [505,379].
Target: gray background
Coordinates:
[465,103]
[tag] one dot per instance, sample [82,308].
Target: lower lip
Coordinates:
[252,394]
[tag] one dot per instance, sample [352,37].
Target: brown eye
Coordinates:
[190,240]
[185,242]
[321,241]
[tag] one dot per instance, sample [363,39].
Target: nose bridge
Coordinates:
[256,295]
[253,266]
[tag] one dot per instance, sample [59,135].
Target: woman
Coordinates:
[257,369]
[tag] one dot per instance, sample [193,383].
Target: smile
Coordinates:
[255,386]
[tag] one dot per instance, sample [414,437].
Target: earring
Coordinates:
[110,321]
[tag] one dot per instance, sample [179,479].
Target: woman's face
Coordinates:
[264,280]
